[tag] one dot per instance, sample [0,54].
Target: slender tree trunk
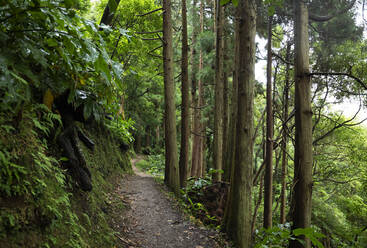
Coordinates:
[302,184]
[185,112]
[173,180]
[199,130]
[268,183]
[108,14]
[147,137]
[257,204]
[238,222]
[225,104]
[225,124]
[137,143]
[122,107]
[218,104]
[233,119]
[201,102]
[194,98]
[284,141]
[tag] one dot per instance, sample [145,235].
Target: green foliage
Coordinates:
[122,129]
[154,165]
[272,5]
[47,44]
[280,235]
[192,195]
[39,199]
[32,177]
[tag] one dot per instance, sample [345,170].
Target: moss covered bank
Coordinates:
[40,204]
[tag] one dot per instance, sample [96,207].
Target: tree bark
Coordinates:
[284,141]
[218,104]
[108,14]
[185,111]
[173,180]
[233,119]
[302,181]
[238,222]
[226,110]
[201,102]
[198,101]
[268,183]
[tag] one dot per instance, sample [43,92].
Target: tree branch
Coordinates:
[151,32]
[344,123]
[361,83]
[150,12]
[282,59]
[318,18]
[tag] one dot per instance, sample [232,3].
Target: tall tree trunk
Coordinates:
[268,183]
[194,98]
[201,102]
[199,130]
[233,119]
[302,184]
[285,140]
[238,222]
[173,180]
[225,103]
[225,123]
[218,104]
[185,112]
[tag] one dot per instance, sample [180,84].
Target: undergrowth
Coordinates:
[154,165]
[40,204]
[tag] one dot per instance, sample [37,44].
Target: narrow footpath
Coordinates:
[152,220]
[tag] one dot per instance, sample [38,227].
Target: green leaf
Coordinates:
[20,79]
[102,67]
[223,2]
[87,111]
[51,42]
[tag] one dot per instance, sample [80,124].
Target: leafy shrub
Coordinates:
[279,236]
[122,129]
[154,165]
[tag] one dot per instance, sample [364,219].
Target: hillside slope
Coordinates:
[41,205]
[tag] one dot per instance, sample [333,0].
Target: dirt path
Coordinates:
[152,221]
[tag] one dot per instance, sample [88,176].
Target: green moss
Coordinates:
[40,204]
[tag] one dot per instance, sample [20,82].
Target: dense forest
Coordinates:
[250,111]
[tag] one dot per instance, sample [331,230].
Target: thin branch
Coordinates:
[155,55]
[151,32]
[344,123]
[361,83]
[150,12]
[155,49]
[150,38]
[282,59]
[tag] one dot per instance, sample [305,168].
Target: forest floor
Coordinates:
[152,219]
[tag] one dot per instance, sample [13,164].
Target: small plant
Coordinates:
[279,236]
[122,129]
